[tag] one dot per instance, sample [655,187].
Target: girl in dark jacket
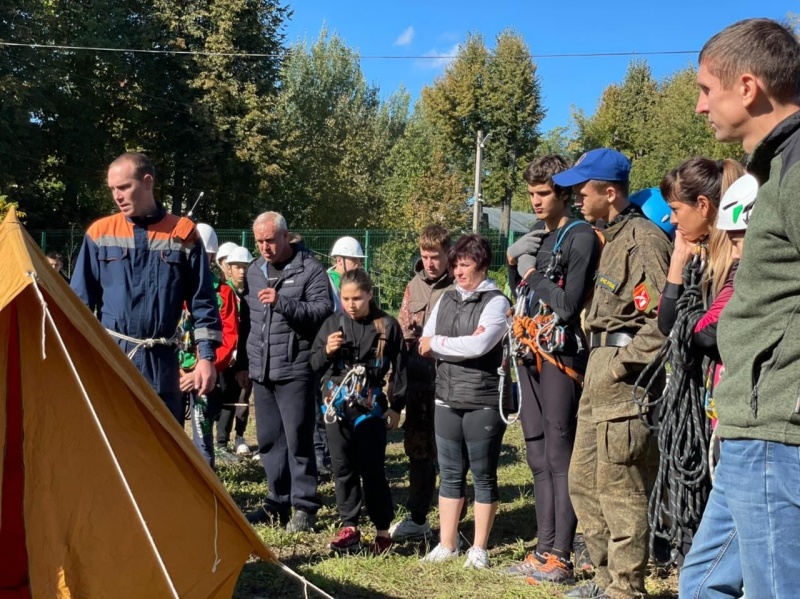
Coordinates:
[353,353]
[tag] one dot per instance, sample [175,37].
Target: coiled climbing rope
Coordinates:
[679,417]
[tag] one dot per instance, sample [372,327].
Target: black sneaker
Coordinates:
[269,513]
[301,522]
[583,563]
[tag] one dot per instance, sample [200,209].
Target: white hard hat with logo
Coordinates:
[209,237]
[347,247]
[737,204]
[240,255]
[224,250]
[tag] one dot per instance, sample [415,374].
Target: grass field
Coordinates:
[399,573]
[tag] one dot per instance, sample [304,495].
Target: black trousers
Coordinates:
[358,457]
[285,431]
[420,444]
[232,393]
[549,417]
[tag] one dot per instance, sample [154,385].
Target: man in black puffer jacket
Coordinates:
[286,300]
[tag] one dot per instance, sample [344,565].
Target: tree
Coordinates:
[496,92]
[337,135]
[420,186]
[204,119]
[651,122]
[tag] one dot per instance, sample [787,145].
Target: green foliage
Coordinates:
[393,268]
[497,92]
[6,205]
[651,122]
[337,135]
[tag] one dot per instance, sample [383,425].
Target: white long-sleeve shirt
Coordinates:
[493,319]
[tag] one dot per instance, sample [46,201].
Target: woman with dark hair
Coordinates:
[464,334]
[693,191]
[353,353]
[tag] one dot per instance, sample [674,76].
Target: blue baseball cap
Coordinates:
[655,208]
[602,164]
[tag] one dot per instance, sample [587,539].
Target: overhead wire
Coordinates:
[44,46]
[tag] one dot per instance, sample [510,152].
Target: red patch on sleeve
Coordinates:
[641,297]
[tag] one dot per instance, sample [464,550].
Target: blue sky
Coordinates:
[435,27]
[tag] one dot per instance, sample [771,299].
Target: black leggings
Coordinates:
[468,439]
[549,416]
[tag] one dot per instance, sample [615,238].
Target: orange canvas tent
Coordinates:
[101,492]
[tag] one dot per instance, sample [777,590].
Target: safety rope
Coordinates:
[144,343]
[348,391]
[683,428]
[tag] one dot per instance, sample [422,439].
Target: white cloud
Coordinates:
[439,58]
[405,38]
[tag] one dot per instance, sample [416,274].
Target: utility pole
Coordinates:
[477,207]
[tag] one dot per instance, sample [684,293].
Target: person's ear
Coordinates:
[749,87]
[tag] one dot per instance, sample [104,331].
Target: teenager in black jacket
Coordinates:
[353,353]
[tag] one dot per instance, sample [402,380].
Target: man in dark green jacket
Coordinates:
[749,82]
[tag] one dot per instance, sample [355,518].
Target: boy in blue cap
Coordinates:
[614,459]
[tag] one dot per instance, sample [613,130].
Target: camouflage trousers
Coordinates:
[610,477]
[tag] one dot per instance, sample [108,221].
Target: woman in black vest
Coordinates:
[464,334]
[353,353]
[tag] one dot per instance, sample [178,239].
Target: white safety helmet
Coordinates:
[225,250]
[347,247]
[209,237]
[240,255]
[737,204]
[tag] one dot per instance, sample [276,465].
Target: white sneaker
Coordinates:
[242,448]
[440,553]
[477,558]
[407,529]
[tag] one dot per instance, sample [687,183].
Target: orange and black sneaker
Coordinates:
[532,562]
[347,540]
[556,569]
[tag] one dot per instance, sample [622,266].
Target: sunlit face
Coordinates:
[225,268]
[355,301]
[345,264]
[273,244]
[56,264]
[236,272]
[434,263]
[133,196]
[693,221]
[724,108]
[467,275]
[737,239]
[544,201]
[593,204]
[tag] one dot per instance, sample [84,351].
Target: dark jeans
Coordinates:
[229,414]
[358,454]
[549,417]
[468,439]
[285,432]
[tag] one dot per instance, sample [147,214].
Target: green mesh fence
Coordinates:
[390,255]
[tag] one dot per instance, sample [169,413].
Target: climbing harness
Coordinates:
[355,392]
[679,417]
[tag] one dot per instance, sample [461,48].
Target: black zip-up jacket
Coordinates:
[360,342]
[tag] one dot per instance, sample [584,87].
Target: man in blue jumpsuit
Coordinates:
[136,269]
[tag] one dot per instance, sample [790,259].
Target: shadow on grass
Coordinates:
[264,580]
